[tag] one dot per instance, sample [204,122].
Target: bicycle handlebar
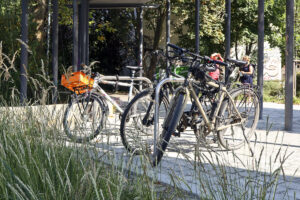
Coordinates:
[206,58]
[237,62]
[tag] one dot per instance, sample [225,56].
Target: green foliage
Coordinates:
[212,15]
[273,91]
[113,40]
[275,18]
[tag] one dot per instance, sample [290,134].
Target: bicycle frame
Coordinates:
[113,80]
[190,90]
[211,123]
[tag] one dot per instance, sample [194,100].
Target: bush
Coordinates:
[273,91]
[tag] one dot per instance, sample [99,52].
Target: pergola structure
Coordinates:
[81,41]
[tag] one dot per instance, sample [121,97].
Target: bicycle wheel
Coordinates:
[137,122]
[170,123]
[247,103]
[84,117]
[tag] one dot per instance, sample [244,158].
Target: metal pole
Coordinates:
[168,30]
[75,36]
[141,41]
[289,65]
[55,49]
[24,53]
[227,35]
[83,31]
[80,24]
[87,33]
[260,55]
[197,24]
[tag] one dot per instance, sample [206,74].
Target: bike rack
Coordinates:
[157,90]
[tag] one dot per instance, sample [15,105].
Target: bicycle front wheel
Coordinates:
[137,122]
[239,130]
[84,117]
[171,121]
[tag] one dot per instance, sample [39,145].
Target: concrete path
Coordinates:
[207,172]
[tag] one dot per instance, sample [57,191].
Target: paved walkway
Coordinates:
[208,171]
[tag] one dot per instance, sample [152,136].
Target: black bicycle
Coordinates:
[231,115]
[137,122]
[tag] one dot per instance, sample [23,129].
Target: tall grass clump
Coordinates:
[36,161]
[37,164]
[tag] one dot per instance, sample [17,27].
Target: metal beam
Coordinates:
[260,53]
[24,52]
[289,65]
[75,36]
[227,35]
[197,24]
[55,49]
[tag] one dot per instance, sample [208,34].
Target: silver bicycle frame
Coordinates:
[111,80]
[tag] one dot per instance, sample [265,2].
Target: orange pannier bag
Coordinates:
[77,82]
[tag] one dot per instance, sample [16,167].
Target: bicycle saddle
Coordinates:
[134,67]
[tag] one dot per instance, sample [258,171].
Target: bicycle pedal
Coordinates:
[176,134]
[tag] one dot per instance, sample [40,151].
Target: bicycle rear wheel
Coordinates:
[247,103]
[84,117]
[170,123]
[137,122]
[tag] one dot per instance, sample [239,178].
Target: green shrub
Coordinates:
[273,91]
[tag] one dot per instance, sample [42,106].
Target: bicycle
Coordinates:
[88,109]
[230,114]
[137,121]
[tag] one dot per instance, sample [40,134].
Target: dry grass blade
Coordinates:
[25,45]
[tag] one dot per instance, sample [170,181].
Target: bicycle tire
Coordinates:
[247,103]
[170,123]
[137,122]
[84,117]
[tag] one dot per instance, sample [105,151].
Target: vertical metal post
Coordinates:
[168,30]
[75,35]
[80,24]
[55,49]
[289,65]
[260,55]
[83,31]
[197,24]
[141,41]
[87,33]
[24,53]
[227,35]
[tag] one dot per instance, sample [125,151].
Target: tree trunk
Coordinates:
[40,16]
[160,20]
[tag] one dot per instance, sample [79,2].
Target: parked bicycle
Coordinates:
[88,110]
[137,122]
[231,115]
